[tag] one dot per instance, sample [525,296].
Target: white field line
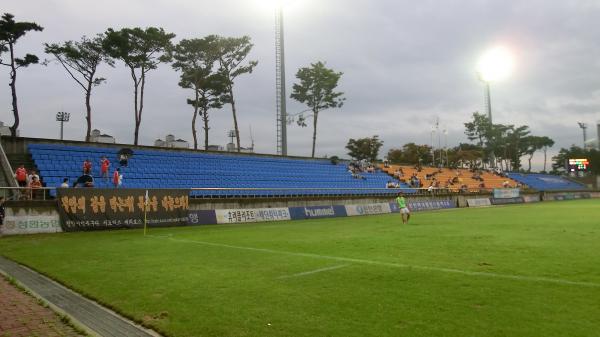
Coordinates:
[391,264]
[315,271]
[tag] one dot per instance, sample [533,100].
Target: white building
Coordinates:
[98,137]
[5,130]
[170,141]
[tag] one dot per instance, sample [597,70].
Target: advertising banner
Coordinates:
[423,205]
[479,202]
[504,201]
[202,217]
[531,198]
[500,193]
[314,212]
[368,209]
[572,196]
[251,215]
[84,209]
[30,224]
[594,194]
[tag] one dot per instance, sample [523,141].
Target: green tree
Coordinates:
[395,156]
[10,33]
[142,50]
[81,60]
[316,90]
[534,144]
[546,143]
[232,51]
[196,60]
[364,148]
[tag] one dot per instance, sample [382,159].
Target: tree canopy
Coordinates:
[81,60]
[316,89]
[10,32]
[141,50]
[364,148]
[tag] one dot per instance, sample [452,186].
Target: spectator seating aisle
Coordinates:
[546,182]
[177,169]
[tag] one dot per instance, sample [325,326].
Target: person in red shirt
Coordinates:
[117,178]
[21,176]
[87,167]
[104,166]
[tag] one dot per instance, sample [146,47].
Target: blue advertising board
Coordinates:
[202,217]
[315,212]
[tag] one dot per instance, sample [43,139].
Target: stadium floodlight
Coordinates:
[494,65]
[583,127]
[62,117]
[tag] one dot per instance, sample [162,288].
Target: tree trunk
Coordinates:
[194,121]
[529,168]
[139,114]
[545,149]
[315,116]
[135,104]
[88,117]
[13,88]
[205,119]
[235,123]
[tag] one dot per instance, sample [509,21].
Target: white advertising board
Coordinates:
[252,215]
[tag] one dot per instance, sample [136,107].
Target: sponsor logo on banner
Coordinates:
[367,209]
[202,217]
[84,209]
[479,202]
[504,201]
[312,212]
[251,215]
[595,195]
[500,193]
[531,198]
[30,224]
[422,205]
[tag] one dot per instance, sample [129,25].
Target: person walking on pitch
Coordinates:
[404,211]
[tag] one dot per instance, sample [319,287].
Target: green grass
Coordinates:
[398,280]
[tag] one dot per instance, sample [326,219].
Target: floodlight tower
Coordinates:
[583,127]
[495,64]
[280,82]
[63,117]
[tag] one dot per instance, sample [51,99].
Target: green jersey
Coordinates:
[401,202]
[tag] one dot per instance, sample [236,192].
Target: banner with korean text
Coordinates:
[83,209]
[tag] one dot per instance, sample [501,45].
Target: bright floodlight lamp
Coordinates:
[496,64]
[62,117]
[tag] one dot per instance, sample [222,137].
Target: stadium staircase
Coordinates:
[274,176]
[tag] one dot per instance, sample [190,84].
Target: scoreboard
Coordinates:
[578,165]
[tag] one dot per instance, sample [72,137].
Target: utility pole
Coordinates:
[62,117]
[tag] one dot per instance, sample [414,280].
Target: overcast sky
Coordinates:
[405,63]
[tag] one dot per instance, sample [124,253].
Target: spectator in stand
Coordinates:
[505,184]
[84,180]
[117,178]
[104,166]
[65,183]
[386,164]
[123,159]
[21,176]
[482,185]
[87,166]
[35,185]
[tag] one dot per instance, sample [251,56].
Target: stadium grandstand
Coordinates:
[215,174]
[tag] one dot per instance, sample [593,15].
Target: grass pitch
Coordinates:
[527,270]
